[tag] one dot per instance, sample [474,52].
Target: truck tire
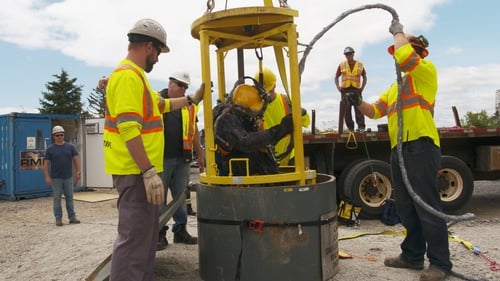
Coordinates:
[455,183]
[368,184]
[342,177]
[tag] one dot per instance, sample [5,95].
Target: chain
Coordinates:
[283,4]
[210,6]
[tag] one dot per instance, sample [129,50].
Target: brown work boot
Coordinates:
[401,262]
[59,222]
[74,221]
[433,273]
[182,236]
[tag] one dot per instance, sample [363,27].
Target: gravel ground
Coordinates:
[33,248]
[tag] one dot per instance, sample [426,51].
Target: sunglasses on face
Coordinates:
[157,47]
[59,135]
[180,84]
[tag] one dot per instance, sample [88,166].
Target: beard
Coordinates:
[149,63]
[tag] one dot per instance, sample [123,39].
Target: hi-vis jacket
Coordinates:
[275,111]
[351,77]
[132,109]
[418,97]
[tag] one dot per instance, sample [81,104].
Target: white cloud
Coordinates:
[94,31]
[454,50]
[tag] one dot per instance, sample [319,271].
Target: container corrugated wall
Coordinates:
[23,140]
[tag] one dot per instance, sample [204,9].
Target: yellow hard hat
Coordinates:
[268,77]
[248,96]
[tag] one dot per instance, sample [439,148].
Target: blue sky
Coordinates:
[87,39]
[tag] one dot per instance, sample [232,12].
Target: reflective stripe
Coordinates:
[285,104]
[188,127]
[410,63]
[149,122]
[410,99]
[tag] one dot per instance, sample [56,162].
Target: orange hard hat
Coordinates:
[419,42]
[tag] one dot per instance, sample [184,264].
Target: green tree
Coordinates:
[97,102]
[63,96]
[480,120]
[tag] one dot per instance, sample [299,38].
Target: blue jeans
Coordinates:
[425,232]
[59,187]
[176,177]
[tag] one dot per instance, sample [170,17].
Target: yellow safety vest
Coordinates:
[419,90]
[351,77]
[275,111]
[188,126]
[132,109]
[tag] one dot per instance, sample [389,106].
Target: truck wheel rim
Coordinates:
[375,189]
[450,185]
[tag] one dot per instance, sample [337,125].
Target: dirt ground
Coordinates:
[33,248]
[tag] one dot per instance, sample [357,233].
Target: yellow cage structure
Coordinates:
[238,30]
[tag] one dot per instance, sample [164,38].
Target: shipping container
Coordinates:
[23,140]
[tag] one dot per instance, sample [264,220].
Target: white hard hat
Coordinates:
[57,129]
[348,50]
[182,77]
[153,29]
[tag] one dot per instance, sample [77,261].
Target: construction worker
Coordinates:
[181,138]
[426,233]
[60,159]
[354,80]
[238,133]
[278,107]
[133,150]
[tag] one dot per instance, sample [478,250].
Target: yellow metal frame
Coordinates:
[250,28]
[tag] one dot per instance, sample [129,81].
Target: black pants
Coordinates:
[360,117]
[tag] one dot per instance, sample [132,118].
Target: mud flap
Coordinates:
[329,246]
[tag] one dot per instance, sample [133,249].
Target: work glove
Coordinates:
[198,95]
[353,98]
[395,27]
[153,185]
[305,118]
[103,82]
[283,128]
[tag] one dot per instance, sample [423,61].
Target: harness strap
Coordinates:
[258,225]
